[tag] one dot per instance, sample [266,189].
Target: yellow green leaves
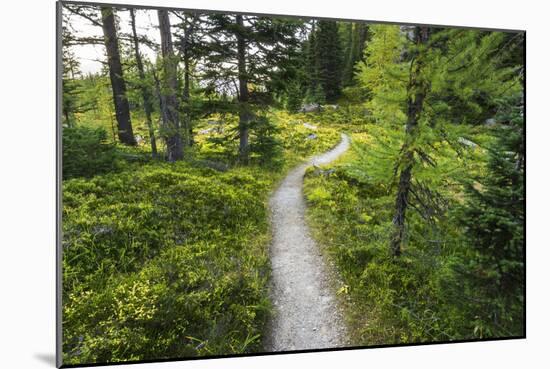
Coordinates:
[384,74]
[318,195]
[160,253]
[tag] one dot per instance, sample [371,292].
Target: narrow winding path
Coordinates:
[307,315]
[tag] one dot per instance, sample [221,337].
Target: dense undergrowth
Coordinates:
[165,260]
[435,290]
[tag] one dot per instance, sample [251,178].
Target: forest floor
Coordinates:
[306,311]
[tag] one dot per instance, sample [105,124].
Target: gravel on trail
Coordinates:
[306,311]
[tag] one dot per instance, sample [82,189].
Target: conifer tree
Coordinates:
[171,119]
[329,61]
[122,107]
[356,38]
[246,51]
[494,212]
[145,93]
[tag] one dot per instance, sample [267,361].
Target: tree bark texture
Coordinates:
[122,108]
[174,143]
[245,115]
[416,92]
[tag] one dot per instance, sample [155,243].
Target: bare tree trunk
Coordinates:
[187,96]
[186,82]
[144,91]
[174,144]
[244,115]
[416,92]
[122,108]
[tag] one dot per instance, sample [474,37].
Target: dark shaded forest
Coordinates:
[175,136]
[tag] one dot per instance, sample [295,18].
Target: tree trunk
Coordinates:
[122,108]
[187,96]
[244,114]
[174,144]
[416,92]
[186,84]
[144,91]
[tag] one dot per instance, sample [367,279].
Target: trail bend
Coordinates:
[307,315]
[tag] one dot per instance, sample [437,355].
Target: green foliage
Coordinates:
[276,137]
[167,261]
[425,295]
[265,147]
[469,75]
[329,61]
[86,152]
[493,217]
[170,260]
[303,135]
[294,97]
[384,75]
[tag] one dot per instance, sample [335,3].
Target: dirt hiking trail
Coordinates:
[306,313]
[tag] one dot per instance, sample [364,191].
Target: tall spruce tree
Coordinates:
[494,213]
[356,37]
[245,52]
[329,60]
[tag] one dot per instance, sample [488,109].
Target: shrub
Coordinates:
[86,152]
[167,261]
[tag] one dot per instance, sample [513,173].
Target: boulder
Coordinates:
[490,122]
[310,108]
[310,126]
[466,142]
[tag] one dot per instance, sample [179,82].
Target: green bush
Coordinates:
[86,152]
[265,146]
[167,261]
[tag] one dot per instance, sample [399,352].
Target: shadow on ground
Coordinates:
[46,358]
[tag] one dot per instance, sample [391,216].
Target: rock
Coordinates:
[101,230]
[332,106]
[466,142]
[490,122]
[312,136]
[310,108]
[213,122]
[310,126]
[205,131]
[321,172]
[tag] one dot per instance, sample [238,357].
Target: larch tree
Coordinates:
[122,107]
[427,84]
[417,89]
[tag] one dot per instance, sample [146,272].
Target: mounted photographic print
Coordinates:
[241,184]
